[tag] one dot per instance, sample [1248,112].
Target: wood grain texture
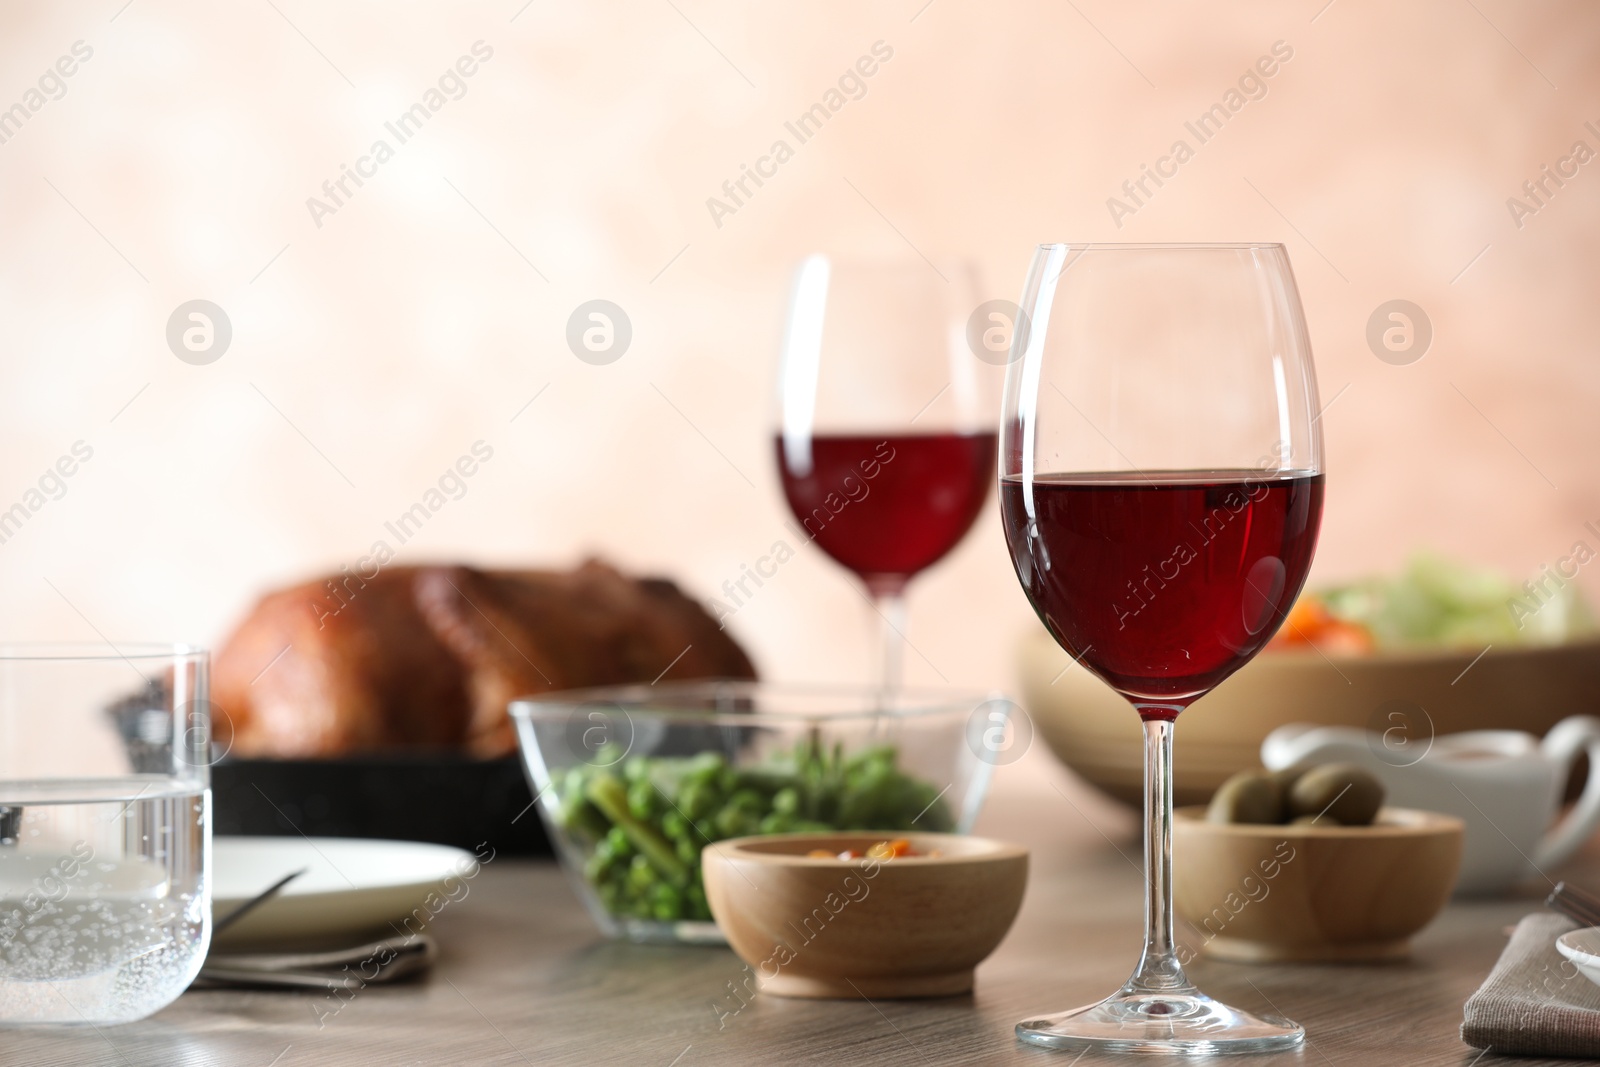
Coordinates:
[1327,892]
[523,979]
[833,928]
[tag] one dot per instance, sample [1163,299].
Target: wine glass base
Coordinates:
[1183,1024]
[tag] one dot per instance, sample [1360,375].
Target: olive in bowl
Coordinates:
[1341,794]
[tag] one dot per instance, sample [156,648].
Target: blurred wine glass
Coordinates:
[886,436]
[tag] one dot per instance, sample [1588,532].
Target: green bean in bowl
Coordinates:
[633,782]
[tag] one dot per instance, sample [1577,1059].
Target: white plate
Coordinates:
[350,885]
[1582,947]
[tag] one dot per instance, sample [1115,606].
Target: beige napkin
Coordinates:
[1534,1002]
[347,968]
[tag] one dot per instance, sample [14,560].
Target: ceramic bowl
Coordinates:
[915,926]
[1323,892]
[1092,730]
[1582,947]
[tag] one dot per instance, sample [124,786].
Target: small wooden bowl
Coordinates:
[915,926]
[1326,892]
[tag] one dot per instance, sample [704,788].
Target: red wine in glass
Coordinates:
[888,505]
[885,434]
[1161,490]
[1162,582]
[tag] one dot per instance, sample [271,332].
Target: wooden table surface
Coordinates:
[523,978]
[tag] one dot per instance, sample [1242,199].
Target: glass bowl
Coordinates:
[633,781]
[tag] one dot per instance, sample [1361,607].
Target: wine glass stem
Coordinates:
[1159,969]
[889,605]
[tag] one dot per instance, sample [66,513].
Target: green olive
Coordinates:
[1342,792]
[1247,797]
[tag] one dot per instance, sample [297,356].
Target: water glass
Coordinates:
[105,830]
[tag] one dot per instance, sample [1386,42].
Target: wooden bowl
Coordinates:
[1325,892]
[909,927]
[1092,730]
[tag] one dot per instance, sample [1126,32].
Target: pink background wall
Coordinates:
[430,308]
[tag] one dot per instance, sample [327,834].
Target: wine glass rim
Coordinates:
[1176,246]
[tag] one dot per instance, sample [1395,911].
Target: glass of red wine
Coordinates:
[1161,490]
[886,441]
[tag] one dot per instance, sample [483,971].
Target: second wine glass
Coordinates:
[886,440]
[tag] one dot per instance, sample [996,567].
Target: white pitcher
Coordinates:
[1505,785]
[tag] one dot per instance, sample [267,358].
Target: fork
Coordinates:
[1576,904]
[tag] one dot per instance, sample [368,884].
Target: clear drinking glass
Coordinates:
[886,440]
[105,830]
[1161,491]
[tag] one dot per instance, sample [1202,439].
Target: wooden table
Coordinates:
[523,978]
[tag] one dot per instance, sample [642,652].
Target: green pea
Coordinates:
[643,800]
[640,874]
[697,799]
[617,845]
[707,762]
[734,822]
[786,801]
[666,903]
